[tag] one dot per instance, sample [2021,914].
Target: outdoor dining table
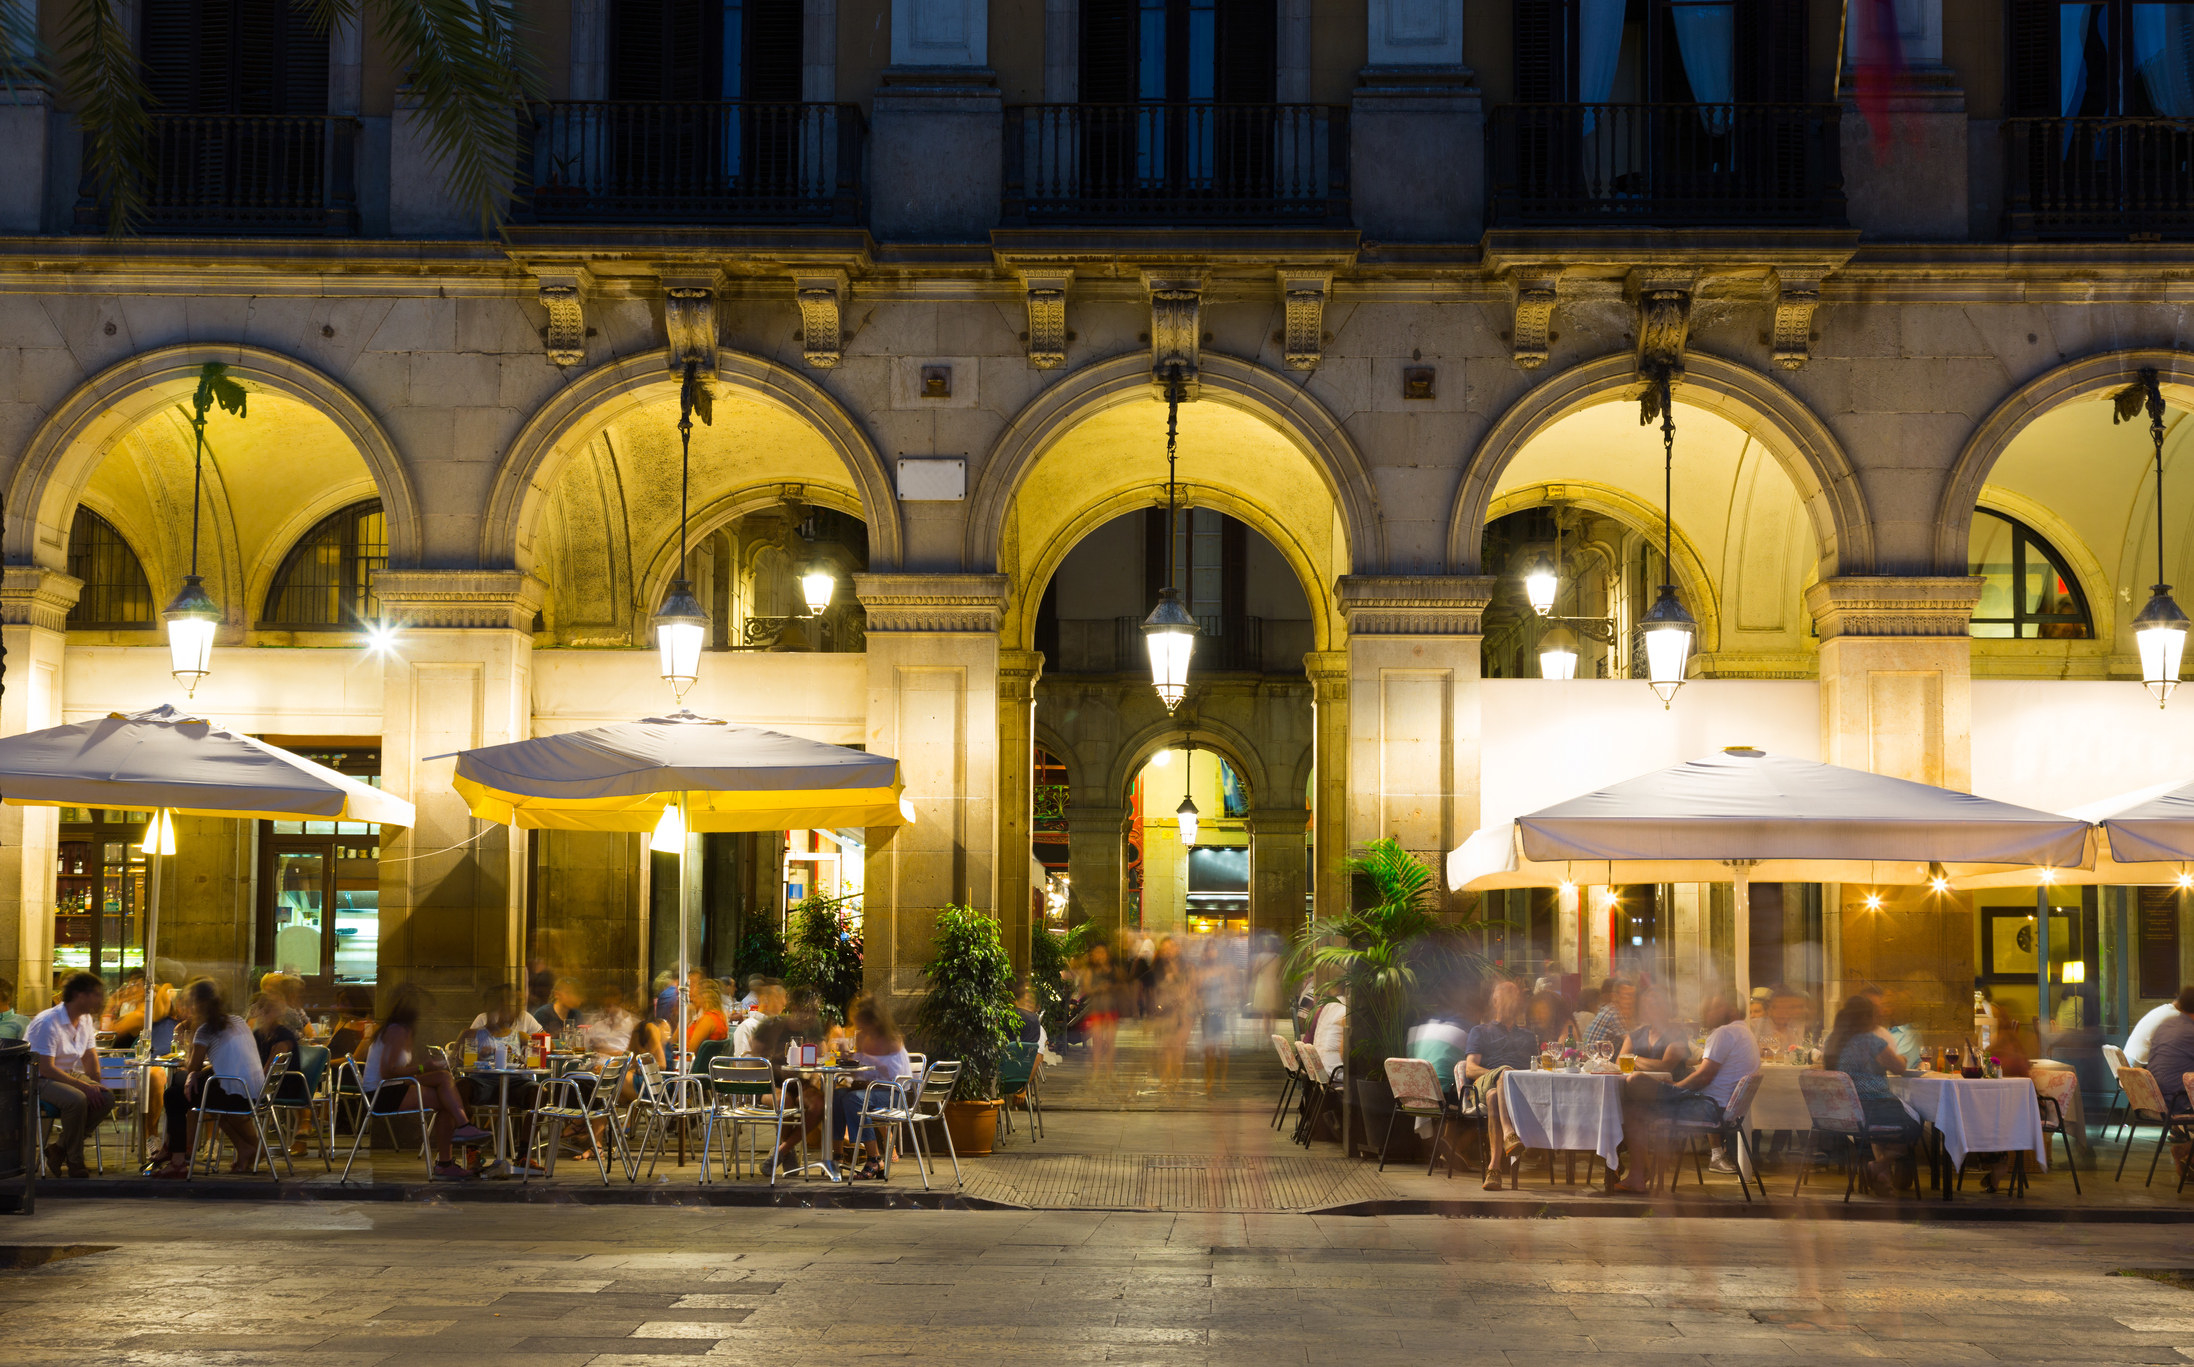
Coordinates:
[1578,1112]
[1977,1115]
[502,1078]
[829,1073]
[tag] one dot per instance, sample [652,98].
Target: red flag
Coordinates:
[1880,66]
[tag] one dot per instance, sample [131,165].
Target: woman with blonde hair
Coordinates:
[1503,1042]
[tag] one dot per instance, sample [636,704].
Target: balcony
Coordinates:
[1114,645]
[243,173]
[1176,164]
[722,162]
[2112,178]
[1665,165]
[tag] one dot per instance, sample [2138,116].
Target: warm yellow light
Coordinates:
[1939,884]
[2075,972]
[1568,887]
[2048,876]
[670,832]
[380,637]
[816,586]
[1873,901]
[159,834]
[1161,759]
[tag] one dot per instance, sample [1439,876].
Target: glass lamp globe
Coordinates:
[1540,584]
[1186,814]
[192,619]
[1668,631]
[816,586]
[1558,653]
[2160,631]
[1169,633]
[680,628]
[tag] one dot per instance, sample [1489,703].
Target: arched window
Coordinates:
[116,593]
[327,581]
[2028,593]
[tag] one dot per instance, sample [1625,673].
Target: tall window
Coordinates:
[327,581]
[1179,51]
[234,57]
[705,50]
[2028,593]
[116,593]
[319,913]
[2102,59]
[1659,51]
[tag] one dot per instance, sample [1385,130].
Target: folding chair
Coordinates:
[587,1099]
[1291,1076]
[2054,1090]
[237,1098]
[742,1090]
[928,1103]
[392,1101]
[1416,1087]
[1695,1137]
[2115,1057]
[1319,1088]
[1016,1070]
[660,1101]
[1832,1100]
[901,1113]
[2143,1098]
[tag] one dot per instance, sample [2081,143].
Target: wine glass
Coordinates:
[1603,1050]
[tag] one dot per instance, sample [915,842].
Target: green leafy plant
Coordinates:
[1376,956]
[968,1013]
[1047,972]
[823,951]
[761,950]
[467,63]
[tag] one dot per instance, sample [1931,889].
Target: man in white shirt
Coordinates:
[1327,1035]
[66,1040]
[2144,1031]
[769,1000]
[1699,1097]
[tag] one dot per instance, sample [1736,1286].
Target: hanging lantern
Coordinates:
[670,831]
[2160,630]
[1558,651]
[816,586]
[680,628]
[1186,815]
[1169,634]
[192,619]
[1668,632]
[1540,585]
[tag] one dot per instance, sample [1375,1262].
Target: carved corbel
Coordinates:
[1303,293]
[1176,326]
[821,296]
[564,295]
[1534,320]
[1664,316]
[1796,297]
[689,318]
[1047,317]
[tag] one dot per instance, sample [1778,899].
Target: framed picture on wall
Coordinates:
[2008,941]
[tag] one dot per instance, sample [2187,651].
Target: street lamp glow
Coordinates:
[1668,632]
[816,586]
[159,834]
[670,832]
[380,637]
[1540,585]
[1169,634]
[1186,814]
[1161,759]
[1558,654]
[192,619]
[1873,901]
[2075,972]
[2161,633]
[680,627]
[1939,884]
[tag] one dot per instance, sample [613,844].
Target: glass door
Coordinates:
[99,893]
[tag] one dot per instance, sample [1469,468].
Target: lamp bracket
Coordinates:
[1601,629]
[1176,328]
[1046,291]
[821,296]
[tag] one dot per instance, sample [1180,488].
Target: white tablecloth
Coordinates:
[1779,1104]
[1580,1111]
[1977,1114]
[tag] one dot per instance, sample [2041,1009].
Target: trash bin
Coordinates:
[18,1127]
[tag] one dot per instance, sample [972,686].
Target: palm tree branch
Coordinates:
[112,104]
[471,77]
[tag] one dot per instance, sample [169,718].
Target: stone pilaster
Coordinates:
[1910,179]
[1095,837]
[1018,671]
[1329,681]
[1417,127]
[34,608]
[1413,728]
[933,664]
[457,677]
[1279,850]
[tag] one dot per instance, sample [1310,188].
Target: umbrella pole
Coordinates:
[685,912]
[1741,969]
[152,992]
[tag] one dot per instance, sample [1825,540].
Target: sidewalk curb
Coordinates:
[515,1194]
[1908,1212]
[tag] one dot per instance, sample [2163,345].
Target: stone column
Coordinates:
[1328,671]
[459,676]
[1018,671]
[1417,127]
[34,609]
[1095,836]
[933,700]
[1413,731]
[1909,180]
[1279,851]
[935,127]
[1897,699]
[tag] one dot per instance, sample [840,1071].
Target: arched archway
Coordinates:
[1827,485]
[70,445]
[811,426]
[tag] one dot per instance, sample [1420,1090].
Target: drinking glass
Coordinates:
[1627,1062]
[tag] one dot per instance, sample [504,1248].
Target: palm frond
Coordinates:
[2127,403]
[112,105]
[215,387]
[472,75]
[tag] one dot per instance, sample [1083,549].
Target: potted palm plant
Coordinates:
[968,1015]
[1374,956]
[823,952]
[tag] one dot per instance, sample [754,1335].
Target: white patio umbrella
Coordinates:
[1745,814]
[2145,836]
[677,776]
[170,762]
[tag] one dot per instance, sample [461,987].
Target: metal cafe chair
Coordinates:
[393,1101]
[742,1091]
[587,1099]
[237,1098]
[1416,1087]
[1319,1089]
[2144,1105]
[2054,1090]
[1291,1076]
[1697,1137]
[660,1103]
[928,1104]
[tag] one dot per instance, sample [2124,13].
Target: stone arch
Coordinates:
[1694,583]
[77,435]
[1227,380]
[1239,750]
[528,469]
[2097,584]
[1828,486]
[662,559]
[2090,377]
[258,576]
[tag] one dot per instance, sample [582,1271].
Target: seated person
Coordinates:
[353,1027]
[501,1022]
[289,989]
[1861,1049]
[1031,1013]
[1617,1016]
[883,1058]
[65,1039]
[773,1036]
[1785,1024]
[124,1017]
[12,1022]
[267,1015]
[1443,1040]
[708,1021]
[221,1047]
[2171,1058]
[769,1001]
[1552,1021]
[1501,1043]
[1652,1101]
[397,1063]
[1656,1042]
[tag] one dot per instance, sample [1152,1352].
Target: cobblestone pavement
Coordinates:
[347,1285]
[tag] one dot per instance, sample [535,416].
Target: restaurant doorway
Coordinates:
[99,894]
[318,909]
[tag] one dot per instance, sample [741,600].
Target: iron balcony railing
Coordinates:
[1665,164]
[241,173]
[1176,163]
[688,161]
[2108,178]
[1226,647]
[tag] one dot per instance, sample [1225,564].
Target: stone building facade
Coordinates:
[1410,257]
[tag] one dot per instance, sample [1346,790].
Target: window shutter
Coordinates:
[1108,51]
[255,39]
[302,76]
[636,32]
[168,44]
[1249,51]
[1771,51]
[1541,60]
[2030,50]
[1233,576]
[773,59]
[1155,535]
